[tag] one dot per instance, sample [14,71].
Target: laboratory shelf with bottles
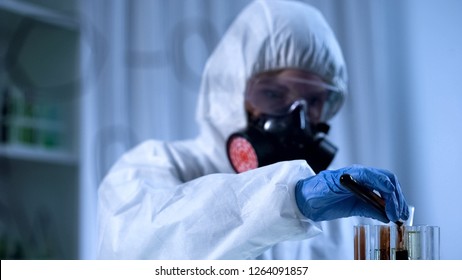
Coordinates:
[39,129]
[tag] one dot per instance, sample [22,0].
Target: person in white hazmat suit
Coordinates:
[278,65]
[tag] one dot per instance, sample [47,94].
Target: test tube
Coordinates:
[399,246]
[423,242]
[361,242]
[382,242]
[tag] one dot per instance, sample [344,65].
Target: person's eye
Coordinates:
[313,101]
[273,94]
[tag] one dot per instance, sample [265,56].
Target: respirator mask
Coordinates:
[290,123]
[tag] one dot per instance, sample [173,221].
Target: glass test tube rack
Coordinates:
[390,242]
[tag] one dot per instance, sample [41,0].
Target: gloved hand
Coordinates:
[322,197]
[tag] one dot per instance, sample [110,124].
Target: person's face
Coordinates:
[273,93]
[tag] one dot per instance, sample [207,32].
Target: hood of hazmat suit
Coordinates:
[182,200]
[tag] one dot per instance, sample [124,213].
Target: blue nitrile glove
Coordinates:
[322,197]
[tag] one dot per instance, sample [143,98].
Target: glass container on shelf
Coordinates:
[30,121]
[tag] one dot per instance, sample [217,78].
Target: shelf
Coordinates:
[39,13]
[17,152]
[40,159]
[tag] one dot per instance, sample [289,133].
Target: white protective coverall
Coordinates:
[182,200]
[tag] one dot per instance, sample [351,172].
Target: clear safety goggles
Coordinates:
[276,95]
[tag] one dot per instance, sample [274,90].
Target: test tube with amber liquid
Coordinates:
[361,242]
[382,242]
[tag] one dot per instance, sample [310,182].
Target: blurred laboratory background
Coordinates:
[83,81]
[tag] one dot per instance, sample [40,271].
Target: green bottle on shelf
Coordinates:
[4,112]
[28,132]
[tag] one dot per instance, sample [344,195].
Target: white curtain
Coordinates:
[401,113]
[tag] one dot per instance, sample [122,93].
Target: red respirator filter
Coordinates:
[242,155]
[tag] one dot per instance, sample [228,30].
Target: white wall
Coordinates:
[435,71]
